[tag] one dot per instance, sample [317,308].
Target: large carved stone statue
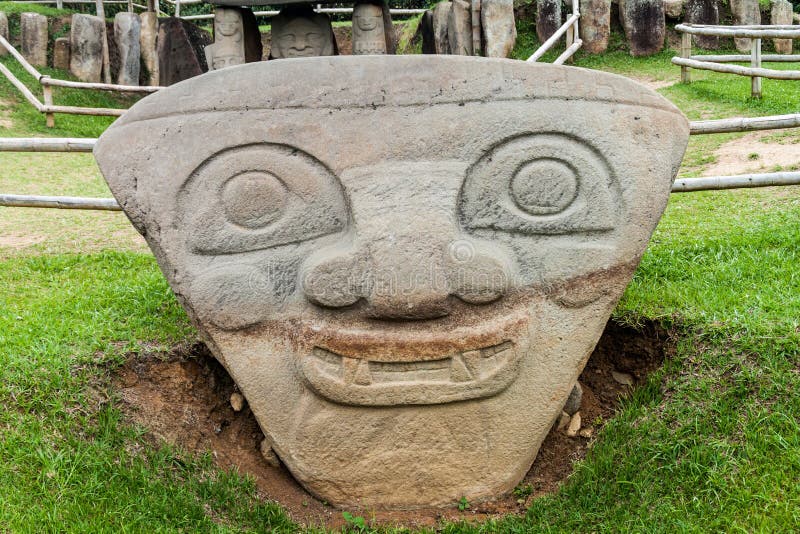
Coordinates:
[300,32]
[368,34]
[228,47]
[405,307]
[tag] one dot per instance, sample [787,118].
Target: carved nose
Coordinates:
[407,278]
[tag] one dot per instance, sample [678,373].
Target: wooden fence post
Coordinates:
[48,101]
[755,61]
[686,51]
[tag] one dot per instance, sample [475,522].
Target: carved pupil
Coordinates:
[253,199]
[544,187]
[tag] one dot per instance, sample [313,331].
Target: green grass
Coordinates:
[710,443]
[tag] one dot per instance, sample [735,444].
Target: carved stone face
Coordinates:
[405,268]
[301,36]
[368,34]
[227,22]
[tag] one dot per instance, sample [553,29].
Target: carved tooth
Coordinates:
[472,359]
[458,370]
[363,375]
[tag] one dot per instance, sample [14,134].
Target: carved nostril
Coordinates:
[479,273]
[334,278]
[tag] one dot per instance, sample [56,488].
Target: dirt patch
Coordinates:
[20,241]
[652,83]
[750,154]
[183,398]
[5,114]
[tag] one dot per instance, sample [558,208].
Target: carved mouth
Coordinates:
[461,376]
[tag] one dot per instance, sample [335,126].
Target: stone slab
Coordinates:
[127,35]
[781,14]
[61,53]
[403,261]
[3,31]
[148,41]
[499,29]
[181,53]
[33,37]
[86,47]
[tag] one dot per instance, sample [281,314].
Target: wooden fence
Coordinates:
[718,63]
[573,42]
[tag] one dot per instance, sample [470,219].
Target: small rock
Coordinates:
[269,454]
[587,432]
[563,421]
[622,378]
[237,402]
[673,8]
[574,425]
[573,403]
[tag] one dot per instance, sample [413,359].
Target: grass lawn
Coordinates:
[710,443]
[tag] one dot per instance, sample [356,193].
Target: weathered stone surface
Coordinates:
[673,9]
[645,25]
[300,32]
[86,47]
[127,32]
[498,27]
[548,18]
[148,42]
[595,25]
[434,39]
[33,37]
[181,53]
[703,12]
[745,13]
[3,31]
[781,14]
[228,47]
[425,32]
[369,37]
[61,53]
[459,28]
[411,299]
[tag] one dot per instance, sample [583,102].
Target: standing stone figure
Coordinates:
[548,18]
[33,33]
[61,53]
[781,15]
[645,25]
[459,28]
[499,28]
[704,12]
[127,32]
[86,47]
[228,47]
[148,42]
[3,32]
[745,13]
[300,32]
[368,35]
[595,25]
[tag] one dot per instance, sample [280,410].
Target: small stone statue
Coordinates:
[300,32]
[228,47]
[368,34]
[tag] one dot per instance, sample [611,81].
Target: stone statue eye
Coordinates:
[547,183]
[260,196]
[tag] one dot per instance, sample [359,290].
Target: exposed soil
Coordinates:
[183,398]
[749,154]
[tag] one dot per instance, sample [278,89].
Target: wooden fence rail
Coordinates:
[573,42]
[716,63]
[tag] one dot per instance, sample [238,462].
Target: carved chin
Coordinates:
[464,375]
